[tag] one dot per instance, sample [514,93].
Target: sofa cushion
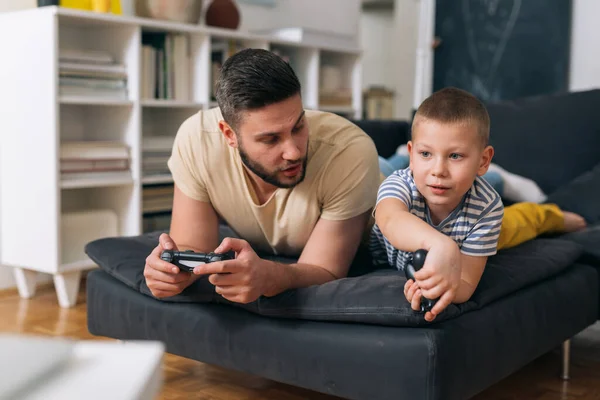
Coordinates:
[375,297]
[589,239]
[581,195]
[550,139]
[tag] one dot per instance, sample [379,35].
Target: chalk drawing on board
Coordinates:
[497,33]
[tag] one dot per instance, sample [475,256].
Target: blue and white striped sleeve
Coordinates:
[395,186]
[482,240]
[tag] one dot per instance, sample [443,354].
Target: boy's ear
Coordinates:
[229,134]
[409,148]
[486,160]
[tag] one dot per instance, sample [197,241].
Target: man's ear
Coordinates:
[229,134]
[486,160]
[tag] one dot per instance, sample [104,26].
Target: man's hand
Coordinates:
[440,276]
[165,279]
[241,280]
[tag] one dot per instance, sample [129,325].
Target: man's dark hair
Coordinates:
[252,79]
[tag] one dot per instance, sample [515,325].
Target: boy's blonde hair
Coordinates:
[453,105]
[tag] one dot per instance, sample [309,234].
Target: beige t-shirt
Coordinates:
[341,181]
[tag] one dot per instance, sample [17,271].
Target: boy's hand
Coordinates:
[413,295]
[440,276]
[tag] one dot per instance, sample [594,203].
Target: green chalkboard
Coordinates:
[503,49]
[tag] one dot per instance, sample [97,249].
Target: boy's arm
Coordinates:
[440,277]
[472,270]
[481,242]
[404,230]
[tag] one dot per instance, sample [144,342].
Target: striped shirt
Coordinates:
[474,225]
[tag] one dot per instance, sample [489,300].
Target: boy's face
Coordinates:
[445,159]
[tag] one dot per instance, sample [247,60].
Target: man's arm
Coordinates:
[327,255]
[194,224]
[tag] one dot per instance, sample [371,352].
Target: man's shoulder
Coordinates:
[201,129]
[202,121]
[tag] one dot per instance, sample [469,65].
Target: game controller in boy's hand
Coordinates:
[415,264]
[188,259]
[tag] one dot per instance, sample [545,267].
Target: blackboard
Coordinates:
[503,49]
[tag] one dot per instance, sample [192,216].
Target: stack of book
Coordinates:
[157,199]
[155,154]
[88,159]
[165,66]
[156,222]
[91,73]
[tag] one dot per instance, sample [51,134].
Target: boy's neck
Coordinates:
[438,213]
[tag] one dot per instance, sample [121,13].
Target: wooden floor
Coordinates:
[186,379]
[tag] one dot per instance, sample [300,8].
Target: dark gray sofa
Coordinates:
[357,337]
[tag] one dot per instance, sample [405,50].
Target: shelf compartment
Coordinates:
[122,200]
[339,77]
[79,228]
[87,122]
[164,121]
[157,179]
[97,60]
[94,101]
[173,66]
[157,199]
[92,180]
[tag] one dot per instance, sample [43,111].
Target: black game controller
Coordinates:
[187,260]
[416,263]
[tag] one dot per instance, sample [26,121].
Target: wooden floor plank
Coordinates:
[185,379]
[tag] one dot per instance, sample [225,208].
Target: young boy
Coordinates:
[442,204]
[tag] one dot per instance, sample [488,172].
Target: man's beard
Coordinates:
[271,178]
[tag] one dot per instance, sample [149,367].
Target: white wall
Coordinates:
[376,40]
[585,42]
[389,40]
[338,16]
[405,41]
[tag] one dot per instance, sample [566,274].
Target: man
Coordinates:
[288,182]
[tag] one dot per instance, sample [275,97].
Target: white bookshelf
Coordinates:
[39,208]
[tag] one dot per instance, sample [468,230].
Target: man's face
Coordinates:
[273,142]
[444,160]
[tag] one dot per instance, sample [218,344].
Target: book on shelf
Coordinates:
[157,198]
[166,66]
[155,155]
[85,56]
[79,159]
[91,73]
